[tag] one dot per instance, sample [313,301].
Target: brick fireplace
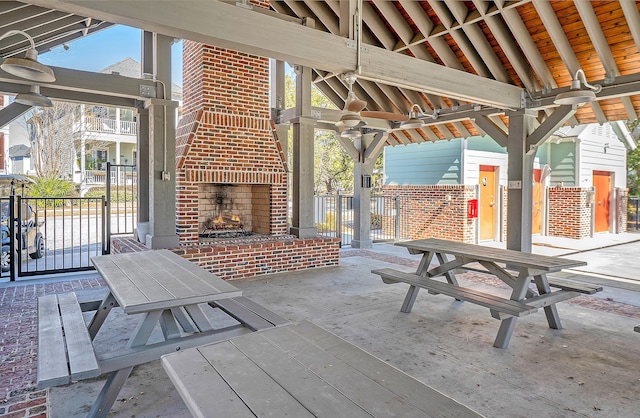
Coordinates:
[229,163]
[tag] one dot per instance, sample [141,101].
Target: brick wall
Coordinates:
[226,134]
[570,212]
[235,259]
[621,210]
[434,212]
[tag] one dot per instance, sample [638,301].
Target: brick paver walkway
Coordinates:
[18,396]
[18,333]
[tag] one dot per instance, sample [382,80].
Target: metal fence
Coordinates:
[633,213]
[334,217]
[51,235]
[121,195]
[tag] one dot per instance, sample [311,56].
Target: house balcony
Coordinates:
[110,126]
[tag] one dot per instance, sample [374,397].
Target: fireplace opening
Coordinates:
[233,210]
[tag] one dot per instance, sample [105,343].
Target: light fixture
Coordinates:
[27,67]
[350,134]
[576,95]
[33,98]
[414,121]
[349,120]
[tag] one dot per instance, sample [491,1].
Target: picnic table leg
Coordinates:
[520,288]
[410,299]
[108,303]
[550,311]
[109,393]
[114,383]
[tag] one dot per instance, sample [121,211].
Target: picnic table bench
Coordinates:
[300,370]
[523,300]
[166,291]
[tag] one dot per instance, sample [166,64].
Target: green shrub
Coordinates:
[118,195]
[50,188]
[329,224]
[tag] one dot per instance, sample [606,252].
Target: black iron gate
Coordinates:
[52,235]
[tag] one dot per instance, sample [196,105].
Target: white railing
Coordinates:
[109,126]
[99,177]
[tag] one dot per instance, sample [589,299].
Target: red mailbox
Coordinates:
[472,208]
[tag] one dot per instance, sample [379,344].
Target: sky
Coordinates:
[99,50]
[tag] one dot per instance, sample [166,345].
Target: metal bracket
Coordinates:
[353,45]
[147,91]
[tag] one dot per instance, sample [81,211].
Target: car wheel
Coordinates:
[39,247]
[5,262]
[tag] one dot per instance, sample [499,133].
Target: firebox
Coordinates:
[233,210]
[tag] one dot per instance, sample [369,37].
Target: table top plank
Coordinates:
[202,388]
[498,255]
[371,394]
[269,369]
[424,397]
[159,279]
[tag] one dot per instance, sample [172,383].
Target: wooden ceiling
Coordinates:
[49,28]
[534,44]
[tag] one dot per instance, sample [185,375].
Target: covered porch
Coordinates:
[586,369]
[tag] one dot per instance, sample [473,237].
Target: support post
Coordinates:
[520,180]
[369,147]
[162,149]
[302,218]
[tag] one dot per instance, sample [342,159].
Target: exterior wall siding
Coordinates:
[426,163]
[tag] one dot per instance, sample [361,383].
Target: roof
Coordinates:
[495,48]
[129,67]
[19,150]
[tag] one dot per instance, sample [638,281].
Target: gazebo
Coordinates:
[427,70]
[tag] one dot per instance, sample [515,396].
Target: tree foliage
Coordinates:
[333,166]
[51,132]
[633,164]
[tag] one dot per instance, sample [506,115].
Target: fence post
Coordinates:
[339,217]
[11,223]
[107,218]
[397,219]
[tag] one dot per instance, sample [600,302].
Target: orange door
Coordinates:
[487,202]
[536,217]
[602,184]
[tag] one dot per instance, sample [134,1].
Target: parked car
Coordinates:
[31,237]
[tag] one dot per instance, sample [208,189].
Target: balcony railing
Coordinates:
[122,177]
[111,126]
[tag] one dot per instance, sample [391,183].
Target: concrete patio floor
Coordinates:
[590,368]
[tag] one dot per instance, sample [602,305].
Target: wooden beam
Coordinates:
[12,112]
[491,129]
[548,127]
[88,82]
[225,25]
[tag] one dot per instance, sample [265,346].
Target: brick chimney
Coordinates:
[225,137]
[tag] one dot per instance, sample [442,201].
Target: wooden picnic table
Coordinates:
[300,370]
[518,270]
[160,288]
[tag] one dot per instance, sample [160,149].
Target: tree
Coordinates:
[333,166]
[633,164]
[51,132]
